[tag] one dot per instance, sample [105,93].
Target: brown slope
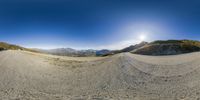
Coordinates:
[169,47]
[7,46]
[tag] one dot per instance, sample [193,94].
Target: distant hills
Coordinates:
[69,52]
[102,52]
[160,47]
[90,52]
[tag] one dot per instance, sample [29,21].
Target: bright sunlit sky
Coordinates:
[97,24]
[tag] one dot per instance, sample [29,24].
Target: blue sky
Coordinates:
[97,24]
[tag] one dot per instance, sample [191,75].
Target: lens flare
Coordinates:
[142,37]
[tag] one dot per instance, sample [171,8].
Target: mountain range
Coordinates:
[159,47]
[69,52]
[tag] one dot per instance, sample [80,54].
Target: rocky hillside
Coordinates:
[168,47]
[133,47]
[7,46]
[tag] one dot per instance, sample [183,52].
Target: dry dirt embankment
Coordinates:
[26,75]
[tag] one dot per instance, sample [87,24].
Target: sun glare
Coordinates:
[142,37]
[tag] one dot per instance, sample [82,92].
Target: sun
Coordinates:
[142,37]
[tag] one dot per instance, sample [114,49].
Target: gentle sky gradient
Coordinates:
[97,24]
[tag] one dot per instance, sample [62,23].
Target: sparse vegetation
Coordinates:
[6,46]
[169,47]
[167,41]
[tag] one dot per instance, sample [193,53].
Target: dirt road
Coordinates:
[30,76]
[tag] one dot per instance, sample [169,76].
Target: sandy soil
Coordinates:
[32,76]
